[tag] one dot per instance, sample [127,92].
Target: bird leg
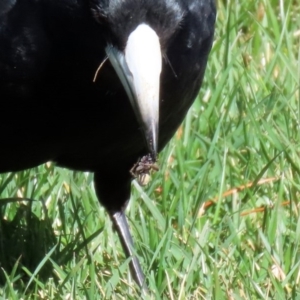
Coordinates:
[121,226]
[113,193]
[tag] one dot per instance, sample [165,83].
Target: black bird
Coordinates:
[55,106]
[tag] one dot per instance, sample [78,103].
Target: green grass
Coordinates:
[244,127]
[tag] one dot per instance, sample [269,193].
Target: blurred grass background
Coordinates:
[220,220]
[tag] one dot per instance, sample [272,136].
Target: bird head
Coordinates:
[138,33]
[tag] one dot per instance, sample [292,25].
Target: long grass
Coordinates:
[220,220]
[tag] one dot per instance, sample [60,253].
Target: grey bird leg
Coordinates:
[114,194]
[121,226]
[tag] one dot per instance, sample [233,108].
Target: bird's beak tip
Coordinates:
[152,139]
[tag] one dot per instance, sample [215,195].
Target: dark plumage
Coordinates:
[52,110]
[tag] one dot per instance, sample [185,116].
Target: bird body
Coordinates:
[51,108]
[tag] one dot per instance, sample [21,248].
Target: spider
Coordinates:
[141,170]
